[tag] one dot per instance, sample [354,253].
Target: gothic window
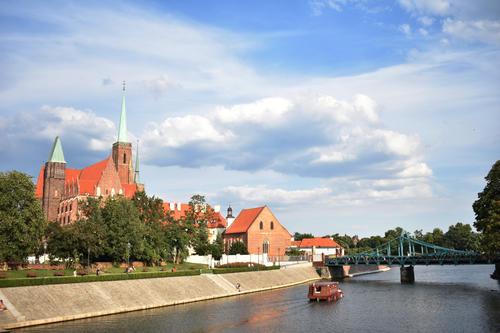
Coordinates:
[265,246]
[261,225]
[272,225]
[57,210]
[124,157]
[107,191]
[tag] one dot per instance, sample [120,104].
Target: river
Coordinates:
[443,299]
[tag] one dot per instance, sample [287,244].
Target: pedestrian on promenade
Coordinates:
[2,306]
[238,286]
[74,273]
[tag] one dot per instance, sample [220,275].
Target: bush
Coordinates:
[238,248]
[145,269]
[241,264]
[31,274]
[82,272]
[164,268]
[3,275]
[180,267]
[243,269]
[192,267]
[58,273]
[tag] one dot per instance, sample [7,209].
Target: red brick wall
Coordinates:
[109,180]
[278,237]
[53,188]
[125,171]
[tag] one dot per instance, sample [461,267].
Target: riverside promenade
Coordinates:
[37,305]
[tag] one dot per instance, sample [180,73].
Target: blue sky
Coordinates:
[342,115]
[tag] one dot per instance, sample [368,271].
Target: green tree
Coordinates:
[217,247]
[298,236]
[122,225]
[461,237]
[238,248]
[153,216]
[22,223]
[486,210]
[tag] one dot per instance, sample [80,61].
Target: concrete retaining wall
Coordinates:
[52,303]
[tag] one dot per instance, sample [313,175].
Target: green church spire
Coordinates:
[122,131]
[137,179]
[56,154]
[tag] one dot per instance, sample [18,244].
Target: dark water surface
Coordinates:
[443,299]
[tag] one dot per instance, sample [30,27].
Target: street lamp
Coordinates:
[258,258]
[279,257]
[128,256]
[88,260]
[44,257]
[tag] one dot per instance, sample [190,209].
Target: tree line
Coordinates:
[116,229]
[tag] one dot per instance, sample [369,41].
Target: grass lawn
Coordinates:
[113,270]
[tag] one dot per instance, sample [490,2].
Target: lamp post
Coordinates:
[128,256]
[279,257]
[88,260]
[44,258]
[258,258]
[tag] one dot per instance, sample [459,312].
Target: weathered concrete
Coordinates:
[407,274]
[37,305]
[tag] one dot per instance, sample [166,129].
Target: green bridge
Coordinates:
[406,250]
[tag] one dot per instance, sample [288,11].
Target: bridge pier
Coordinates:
[407,274]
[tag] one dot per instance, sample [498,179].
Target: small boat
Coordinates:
[324,291]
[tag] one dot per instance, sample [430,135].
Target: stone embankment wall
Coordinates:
[37,305]
[341,272]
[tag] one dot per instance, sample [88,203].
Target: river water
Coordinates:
[443,299]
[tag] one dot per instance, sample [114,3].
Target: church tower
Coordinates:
[122,149]
[54,178]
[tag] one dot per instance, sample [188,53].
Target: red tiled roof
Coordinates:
[317,242]
[90,176]
[220,221]
[244,220]
[129,190]
[71,176]
[39,183]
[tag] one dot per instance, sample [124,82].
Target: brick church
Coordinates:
[59,188]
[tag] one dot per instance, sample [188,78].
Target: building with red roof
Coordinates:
[260,231]
[59,189]
[319,245]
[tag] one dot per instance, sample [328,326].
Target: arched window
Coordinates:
[124,157]
[272,225]
[265,246]
[261,225]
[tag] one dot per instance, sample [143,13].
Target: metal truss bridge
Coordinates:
[405,250]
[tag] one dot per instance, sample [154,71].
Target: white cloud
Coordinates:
[67,121]
[267,112]
[439,7]
[262,194]
[416,170]
[483,30]
[426,20]
[397,143]
[423,32]
[178,131]
[406,29]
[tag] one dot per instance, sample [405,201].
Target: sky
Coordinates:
[343,116]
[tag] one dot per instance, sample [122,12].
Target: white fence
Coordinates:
[250,258]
